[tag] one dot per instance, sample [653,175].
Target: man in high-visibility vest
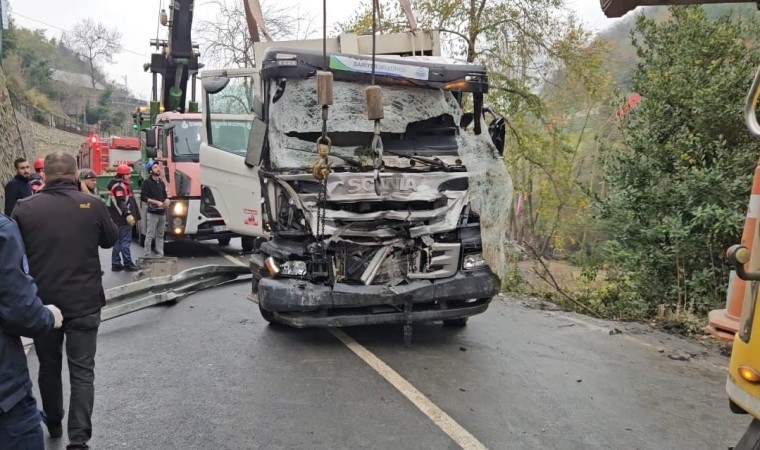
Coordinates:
[124,212]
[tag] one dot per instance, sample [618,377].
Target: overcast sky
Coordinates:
[137,20]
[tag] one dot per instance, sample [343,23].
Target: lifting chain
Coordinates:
[377,148]
[321,169]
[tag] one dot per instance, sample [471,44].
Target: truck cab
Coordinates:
[394,245]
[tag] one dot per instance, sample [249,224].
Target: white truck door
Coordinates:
[236,189]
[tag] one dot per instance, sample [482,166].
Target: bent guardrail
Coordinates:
[141,294]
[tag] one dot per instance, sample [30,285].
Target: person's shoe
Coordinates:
[116,268]
[77,447]
[54,428]
[131,268]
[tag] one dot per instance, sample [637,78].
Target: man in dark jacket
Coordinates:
[21,314]
[19,186]
[154,194]
[62,229]
[124,212]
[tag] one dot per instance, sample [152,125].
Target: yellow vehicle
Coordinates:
[743,381]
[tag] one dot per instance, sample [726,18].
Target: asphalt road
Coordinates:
[208,373]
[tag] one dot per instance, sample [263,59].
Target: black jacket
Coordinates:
[155,190]
[121,202]
[15,190]
[21,314]
[62,229]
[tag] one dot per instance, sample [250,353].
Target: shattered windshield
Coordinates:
[416,121]
[187,139]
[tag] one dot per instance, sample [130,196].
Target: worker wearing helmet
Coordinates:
[37,179]
[154,194]
[123,208]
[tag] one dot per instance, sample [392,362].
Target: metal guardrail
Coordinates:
[48,119]
[147,292]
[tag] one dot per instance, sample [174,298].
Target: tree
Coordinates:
[95,43]
[680,181]
[225,39]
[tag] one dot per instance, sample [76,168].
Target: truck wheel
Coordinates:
[456,323]
[247,243]
[224,241]
[267,315]
[751,438]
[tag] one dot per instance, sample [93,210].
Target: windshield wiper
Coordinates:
[352,162]
[431,162]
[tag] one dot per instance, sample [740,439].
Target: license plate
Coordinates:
[220,228]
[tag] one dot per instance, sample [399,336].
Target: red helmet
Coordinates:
[123,169]
[39,163]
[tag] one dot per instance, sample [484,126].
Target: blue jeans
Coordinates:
[121,256]
[20,426]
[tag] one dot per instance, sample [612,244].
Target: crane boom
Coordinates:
[177,62]
[618,8]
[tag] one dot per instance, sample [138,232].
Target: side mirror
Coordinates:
[466,120]
[497,128]
[256,142]
[151,153]
[150,137]
[213,85]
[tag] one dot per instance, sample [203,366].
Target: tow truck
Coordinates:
[172,128]
[743,381]
[367,210]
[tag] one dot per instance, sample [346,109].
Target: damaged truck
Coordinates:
[397,219]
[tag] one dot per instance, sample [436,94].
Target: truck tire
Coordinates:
[751,438]
[456,323]
[224,241]
[247,243]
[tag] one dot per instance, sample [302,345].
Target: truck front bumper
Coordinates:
[301,303]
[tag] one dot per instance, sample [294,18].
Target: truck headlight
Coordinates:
[179,209]
[293,268]
[473,261]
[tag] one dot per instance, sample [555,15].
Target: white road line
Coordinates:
[232,258]
[455,431]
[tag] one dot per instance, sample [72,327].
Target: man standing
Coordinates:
[89,184]
[62,229]
[154,194]
[18,187]
[123,209]
[21,314]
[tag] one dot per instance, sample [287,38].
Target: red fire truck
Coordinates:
[102,155]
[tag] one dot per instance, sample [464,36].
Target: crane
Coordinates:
[176,62]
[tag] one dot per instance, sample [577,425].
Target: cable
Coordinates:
[374,32]
[68,31]
[324,32]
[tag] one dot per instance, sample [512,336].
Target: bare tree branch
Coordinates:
[94,43]
[225,38]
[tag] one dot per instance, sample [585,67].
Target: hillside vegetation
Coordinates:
[30,62]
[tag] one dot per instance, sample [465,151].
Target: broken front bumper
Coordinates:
[300,303]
